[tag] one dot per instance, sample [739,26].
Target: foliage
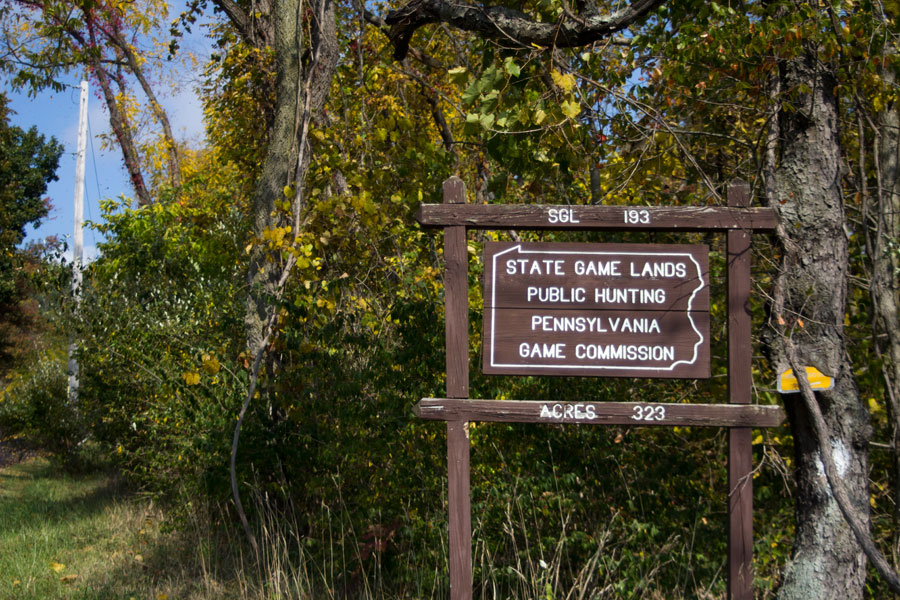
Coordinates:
[667,115]
[28,163]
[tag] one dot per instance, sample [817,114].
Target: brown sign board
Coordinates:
[600,413]
[609,310]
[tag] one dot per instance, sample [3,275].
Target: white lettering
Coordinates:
[649,413]
[527,350]
[561,215]
[555,294]
[624,352]
[660,269]
[629,296]
[535,266]
[598,268]
[637,216]
[549,323]
[577,412]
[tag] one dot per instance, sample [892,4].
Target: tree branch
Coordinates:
[508,23]
[238,18]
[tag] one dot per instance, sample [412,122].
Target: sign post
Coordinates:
[740,451]
[456,286]
[614,310]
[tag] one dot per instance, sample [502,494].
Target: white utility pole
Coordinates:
[78,236]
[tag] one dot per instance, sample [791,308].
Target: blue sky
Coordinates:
[56,114]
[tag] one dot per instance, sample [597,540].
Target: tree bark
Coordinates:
[509,24]
[809,303]
[122,130]
[301,90]
[134,66]
[306,54]
[885,281]
[120,126]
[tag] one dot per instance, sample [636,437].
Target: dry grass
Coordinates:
[88,538]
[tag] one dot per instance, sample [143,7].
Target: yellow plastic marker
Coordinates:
[788,384]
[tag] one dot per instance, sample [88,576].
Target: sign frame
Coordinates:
[737,220]
[672,299]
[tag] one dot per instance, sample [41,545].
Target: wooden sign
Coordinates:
[600,413]
[642,218]
[614,310]
[619,308]
[788,384]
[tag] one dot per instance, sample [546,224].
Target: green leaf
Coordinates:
[472,92]
[511,68]
[458,75]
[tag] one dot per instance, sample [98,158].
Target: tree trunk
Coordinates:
[809,305]
[302,86]
[158,111]
[122,130]
[884,283]
[120,126]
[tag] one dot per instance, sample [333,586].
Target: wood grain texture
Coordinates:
[511,268]
[537,216]
[456,296]
[599,413]
[460,510]
[740,513]
[740,451]
[685,336]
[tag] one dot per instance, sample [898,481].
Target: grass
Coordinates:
[85,537]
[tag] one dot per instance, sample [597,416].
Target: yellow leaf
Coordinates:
[57,567]
[210,364]
[161,596]
[570,108]
[566,82]
[458,75]
[68,578]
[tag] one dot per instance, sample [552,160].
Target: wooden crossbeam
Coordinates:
[600,413]
[652,218]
